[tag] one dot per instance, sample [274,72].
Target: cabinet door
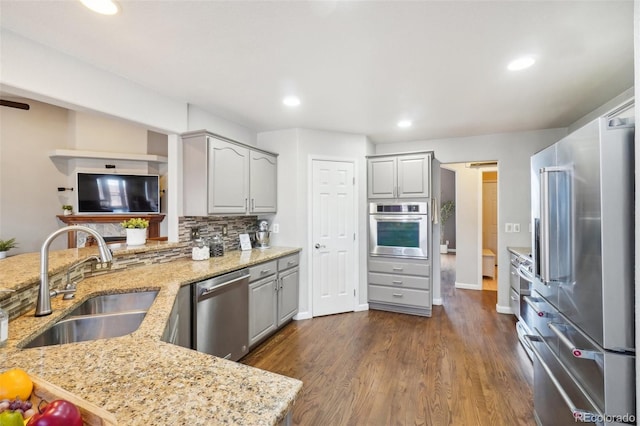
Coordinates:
[414,173]
[263,178]
[381,177]
[228,177]
[288,295]
[262,309]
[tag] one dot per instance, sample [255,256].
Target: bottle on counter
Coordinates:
[200,250]
[216,246]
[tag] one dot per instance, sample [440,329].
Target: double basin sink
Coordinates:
[99,317]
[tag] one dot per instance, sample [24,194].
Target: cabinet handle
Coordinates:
[253,204]
[397,268]
[265,271]
[398,294]
[246,204]
[396,282]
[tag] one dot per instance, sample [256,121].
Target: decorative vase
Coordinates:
[67,212]
[136,236]
[3,254]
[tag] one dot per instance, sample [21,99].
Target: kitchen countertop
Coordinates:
[521,251]
[142,380]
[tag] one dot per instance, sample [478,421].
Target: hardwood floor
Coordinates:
[463,366]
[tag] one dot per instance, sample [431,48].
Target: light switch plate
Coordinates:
[508,227]
[275,228]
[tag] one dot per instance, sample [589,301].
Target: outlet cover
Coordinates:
[516,227]
[275,228]
[508,227]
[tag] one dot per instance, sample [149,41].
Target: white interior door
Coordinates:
[333,237]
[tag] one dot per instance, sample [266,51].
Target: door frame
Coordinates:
[356,225]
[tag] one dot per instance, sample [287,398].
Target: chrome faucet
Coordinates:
[43,305]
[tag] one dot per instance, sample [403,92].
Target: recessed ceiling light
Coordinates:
[403,124]
[291,101]
[521,63]
[104,7]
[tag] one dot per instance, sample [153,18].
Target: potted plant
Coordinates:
[6,245]
[67,209]
[136,229]
[447,209]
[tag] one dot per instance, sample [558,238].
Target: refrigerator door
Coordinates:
[595,283]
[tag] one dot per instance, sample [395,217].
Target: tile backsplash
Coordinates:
[209,226]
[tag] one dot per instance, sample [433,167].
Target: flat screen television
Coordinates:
[118,193]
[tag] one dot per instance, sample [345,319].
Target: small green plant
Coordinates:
[67,207]
[135,222]
[6,245]
[447,209]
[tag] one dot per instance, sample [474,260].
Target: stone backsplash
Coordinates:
[209,226]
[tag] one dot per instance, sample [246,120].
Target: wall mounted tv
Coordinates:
[118,193]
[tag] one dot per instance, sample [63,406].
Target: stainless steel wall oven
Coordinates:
[399,229]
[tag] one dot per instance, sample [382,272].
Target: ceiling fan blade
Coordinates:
[12,104]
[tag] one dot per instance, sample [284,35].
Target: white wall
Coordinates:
[77,85]
[29,200]
[199,119]
[296,148]
[512,151]
[637,160]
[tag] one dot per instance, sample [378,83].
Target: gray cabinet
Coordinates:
[273,296]
[225,177]
[400,285]
[399,176]
[262,309]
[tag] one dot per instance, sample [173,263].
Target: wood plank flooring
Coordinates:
[463,366]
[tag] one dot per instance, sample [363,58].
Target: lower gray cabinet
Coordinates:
[288,295]
[262,309]
[273,300]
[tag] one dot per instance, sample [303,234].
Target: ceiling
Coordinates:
[357,66]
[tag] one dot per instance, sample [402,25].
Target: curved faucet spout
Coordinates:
[43,305]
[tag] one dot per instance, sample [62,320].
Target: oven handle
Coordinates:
[524,275]
[578,414]
[416,218]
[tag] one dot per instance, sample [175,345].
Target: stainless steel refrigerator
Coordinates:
[583,290]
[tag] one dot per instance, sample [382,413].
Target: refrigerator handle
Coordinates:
[578,414]
[576,352]
[545,270]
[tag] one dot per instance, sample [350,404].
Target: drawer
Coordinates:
[514,303]
[400,296]
[263,270]
[391,267]
[399,281]
[288,262]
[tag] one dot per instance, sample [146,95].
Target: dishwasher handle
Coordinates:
[205,291]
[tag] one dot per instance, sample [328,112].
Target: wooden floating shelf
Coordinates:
[101,155]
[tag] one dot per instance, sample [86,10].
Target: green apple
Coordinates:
[11,418]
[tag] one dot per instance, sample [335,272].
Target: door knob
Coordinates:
[318,246]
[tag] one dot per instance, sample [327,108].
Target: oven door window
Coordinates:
[399,234]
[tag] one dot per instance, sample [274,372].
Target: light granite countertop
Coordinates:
[137,377]
[524,252]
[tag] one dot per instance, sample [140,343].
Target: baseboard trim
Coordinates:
[362,307]
[504,309]
[437,301]
[302,316]
[465,286]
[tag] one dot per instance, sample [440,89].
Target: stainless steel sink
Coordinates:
[100,317]
[135,301]
[89,327]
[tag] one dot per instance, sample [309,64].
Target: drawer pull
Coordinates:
[531,302]
[396,282]
[397,268]
[265,271]
[576,352]
[291,262]
[397,295]
[514,298]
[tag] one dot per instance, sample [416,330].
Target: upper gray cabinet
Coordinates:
[223,177]
[399,176]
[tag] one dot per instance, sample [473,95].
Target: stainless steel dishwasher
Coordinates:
[222,315]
